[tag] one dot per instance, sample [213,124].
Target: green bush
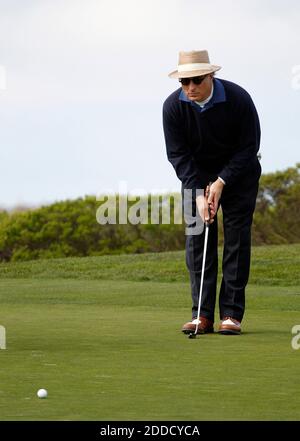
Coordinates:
[70,228]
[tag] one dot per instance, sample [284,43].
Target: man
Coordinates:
[212,134]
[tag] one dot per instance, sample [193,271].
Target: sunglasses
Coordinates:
[195,80]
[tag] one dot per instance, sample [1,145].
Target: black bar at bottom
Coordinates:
[97,430]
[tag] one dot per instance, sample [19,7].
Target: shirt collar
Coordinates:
[219,96]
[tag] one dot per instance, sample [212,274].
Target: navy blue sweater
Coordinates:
[221,139]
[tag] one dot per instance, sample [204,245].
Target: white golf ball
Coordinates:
[42,393]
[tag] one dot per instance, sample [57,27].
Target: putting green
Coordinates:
[102,335]
[113,350]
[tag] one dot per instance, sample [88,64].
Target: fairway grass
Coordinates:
[111,349]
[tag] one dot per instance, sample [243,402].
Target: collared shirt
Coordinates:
[220,139]
[218,96]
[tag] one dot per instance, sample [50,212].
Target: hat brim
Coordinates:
[194,73]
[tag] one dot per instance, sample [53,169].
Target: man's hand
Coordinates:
[202,206]
[208,204]
[214,196]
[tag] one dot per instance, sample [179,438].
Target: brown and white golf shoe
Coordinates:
[206,326]
[229,325]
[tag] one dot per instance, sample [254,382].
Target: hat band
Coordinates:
[192,66]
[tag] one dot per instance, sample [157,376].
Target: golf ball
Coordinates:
[42,393]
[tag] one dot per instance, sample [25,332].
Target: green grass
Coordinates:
[102,335]
[271,265]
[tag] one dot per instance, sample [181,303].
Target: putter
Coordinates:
[194,334]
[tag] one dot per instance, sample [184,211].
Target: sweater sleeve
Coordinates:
[249,140]
[178,152]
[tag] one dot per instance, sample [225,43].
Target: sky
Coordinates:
[82,84]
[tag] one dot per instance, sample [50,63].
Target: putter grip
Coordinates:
[207,195]
[209,212]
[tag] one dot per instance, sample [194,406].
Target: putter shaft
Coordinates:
[202,274]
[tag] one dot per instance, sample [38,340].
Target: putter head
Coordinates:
[192,335]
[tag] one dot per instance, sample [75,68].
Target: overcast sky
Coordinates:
[82,85]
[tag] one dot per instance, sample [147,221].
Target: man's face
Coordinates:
[197,92]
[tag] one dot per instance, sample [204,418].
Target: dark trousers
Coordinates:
[238,204]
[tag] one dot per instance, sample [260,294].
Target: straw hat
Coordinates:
[193,64]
